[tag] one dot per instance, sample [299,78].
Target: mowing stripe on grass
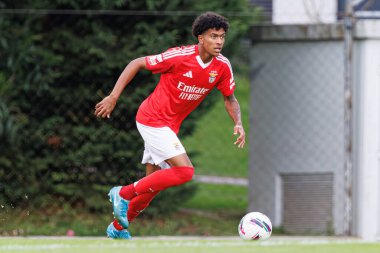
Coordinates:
[186,245]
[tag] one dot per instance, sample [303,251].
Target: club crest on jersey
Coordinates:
[212,76]
[154,59]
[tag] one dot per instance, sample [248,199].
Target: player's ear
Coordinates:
[200,39]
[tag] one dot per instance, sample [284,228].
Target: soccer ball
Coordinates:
[255,226]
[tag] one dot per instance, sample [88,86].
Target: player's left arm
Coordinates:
[233,109]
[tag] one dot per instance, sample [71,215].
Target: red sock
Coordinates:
[136,206]
[128,192]
[117,225]
[158,181]
[162,179]
[139,203]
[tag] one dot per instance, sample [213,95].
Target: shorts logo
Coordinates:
[154,59]
[177,145]
[212,76]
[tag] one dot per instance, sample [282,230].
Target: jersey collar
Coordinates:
[199,59]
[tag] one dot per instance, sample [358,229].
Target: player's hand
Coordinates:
[240,141]
[105,107]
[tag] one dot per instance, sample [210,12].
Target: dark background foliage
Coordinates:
[54,68]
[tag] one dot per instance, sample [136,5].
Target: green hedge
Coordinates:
[55,68]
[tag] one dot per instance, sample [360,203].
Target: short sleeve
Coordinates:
[163,62]
[157,64]
[226,85]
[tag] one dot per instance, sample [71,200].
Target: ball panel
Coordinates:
[255,226]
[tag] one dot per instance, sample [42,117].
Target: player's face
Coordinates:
[212,41]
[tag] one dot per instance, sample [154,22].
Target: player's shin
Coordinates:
[139,203]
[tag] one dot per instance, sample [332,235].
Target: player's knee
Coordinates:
[186,173]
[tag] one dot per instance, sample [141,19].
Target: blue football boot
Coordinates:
[113,233]
[120,206]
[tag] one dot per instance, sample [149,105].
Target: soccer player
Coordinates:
[188,74]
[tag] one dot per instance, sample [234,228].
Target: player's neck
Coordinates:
[205,56]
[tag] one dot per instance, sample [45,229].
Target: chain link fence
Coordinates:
[303,112]
[297,142]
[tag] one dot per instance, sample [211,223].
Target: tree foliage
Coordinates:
[54,68]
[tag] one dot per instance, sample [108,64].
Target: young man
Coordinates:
[188,74]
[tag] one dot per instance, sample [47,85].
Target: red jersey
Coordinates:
[185,81]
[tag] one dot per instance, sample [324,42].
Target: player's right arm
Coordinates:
[105,107]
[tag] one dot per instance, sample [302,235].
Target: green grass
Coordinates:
[212,141]
[201,215]
[183,222]
[37,222]
[168,245]
[187,223]
[227,199]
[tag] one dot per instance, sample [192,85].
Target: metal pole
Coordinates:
[348,48]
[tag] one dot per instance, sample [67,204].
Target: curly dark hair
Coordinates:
[209,20]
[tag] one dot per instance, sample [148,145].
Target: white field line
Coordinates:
[159,244]
[166,242]
[221,180]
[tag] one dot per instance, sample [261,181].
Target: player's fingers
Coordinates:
[102,112]
[240,141]
[99,111]
[106,113]
[238,136]
[241,145]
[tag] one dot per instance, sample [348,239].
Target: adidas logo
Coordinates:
[188,74]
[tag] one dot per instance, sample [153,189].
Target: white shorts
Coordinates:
[160,143]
